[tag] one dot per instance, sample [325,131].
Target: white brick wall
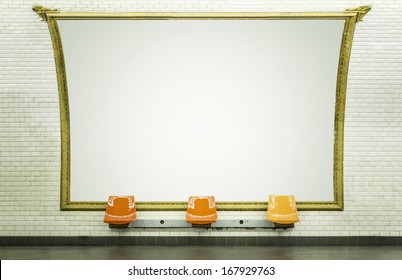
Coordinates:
[30,132]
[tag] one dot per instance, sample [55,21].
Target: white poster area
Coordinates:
[168,109]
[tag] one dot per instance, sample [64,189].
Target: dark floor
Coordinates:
[201,253]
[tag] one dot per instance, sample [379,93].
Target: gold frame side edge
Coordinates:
[64,113]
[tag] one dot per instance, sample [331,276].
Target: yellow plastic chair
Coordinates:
[201,210]
[282,211]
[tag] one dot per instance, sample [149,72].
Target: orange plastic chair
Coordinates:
[120,211]
[201,210]
[282,211]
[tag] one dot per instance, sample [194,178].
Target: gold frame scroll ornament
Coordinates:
[351,17]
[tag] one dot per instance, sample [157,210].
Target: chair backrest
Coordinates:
[201,203]
[201,210]
[282,209]
[120,210]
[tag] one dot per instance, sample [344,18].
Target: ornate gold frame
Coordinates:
[351,17]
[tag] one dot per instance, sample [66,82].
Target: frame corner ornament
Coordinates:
[361,11]
[42,11]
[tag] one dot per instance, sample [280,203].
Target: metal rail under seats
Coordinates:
[120,211]
[282,211]
[201,211]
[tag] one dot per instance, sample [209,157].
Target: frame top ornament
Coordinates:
[361,11]
[42,11]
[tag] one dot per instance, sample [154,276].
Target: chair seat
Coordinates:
[283,219]
[282,210]
[120,210]
[201,210]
